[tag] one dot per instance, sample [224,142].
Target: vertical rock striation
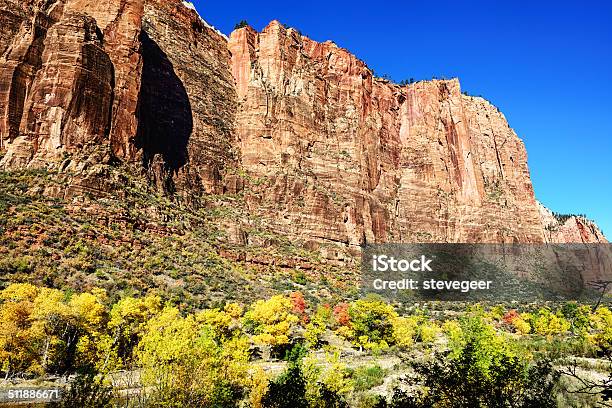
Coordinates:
[322,151]
[350,158]
[188,101]
[119,23]
[58,82]
[147,81]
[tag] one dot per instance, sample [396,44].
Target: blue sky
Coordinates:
[547,65]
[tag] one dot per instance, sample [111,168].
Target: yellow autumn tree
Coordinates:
[600,323]
[224,323]
[547,323]
[69,328]
[405,330]
[272,320]
[17,340]
[258,385]
[45,330]
[521,323]
[127,322]
[371,323]
[90,315]
[334,376]
[186,364]
[55,332]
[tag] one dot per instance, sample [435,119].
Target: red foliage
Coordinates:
[510,316]
[341,314]
[298,302]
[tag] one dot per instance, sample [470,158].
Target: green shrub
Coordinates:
[366,378]
[288,390]
[241,24]
[460,383]
[86,391]
[371,321]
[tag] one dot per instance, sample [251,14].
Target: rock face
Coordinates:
[148,81]
[569,228]
[322,151]
[119,22]
[188,102]
[37,93]
[350,158]
[59,81]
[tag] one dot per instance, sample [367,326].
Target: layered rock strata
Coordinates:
[320,149]
[569,228]
[146,80]
[350,158]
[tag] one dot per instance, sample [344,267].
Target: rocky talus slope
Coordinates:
[318,149]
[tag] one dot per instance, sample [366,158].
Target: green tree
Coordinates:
[482,369]
[241,24]
[306,387]
[459,383]
[86,391]
[288,390]
[371,322]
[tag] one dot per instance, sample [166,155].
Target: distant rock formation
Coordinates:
[569,228]
[354,159]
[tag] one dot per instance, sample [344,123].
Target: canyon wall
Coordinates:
[350,158]
[188,102]
[146,81]
[321,150]
[569,228]
[68,78]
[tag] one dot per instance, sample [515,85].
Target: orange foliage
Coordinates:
[298,303]
[341,314]
[510,316]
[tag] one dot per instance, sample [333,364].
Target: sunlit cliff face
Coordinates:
[321,150]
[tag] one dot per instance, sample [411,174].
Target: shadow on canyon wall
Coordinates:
[165,121]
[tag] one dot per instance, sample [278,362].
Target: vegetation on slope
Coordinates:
[134,240]
[150,301]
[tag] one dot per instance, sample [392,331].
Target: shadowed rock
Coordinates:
[165,121]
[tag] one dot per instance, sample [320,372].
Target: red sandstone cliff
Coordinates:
[569,228]
[70,77]
[351,158]
[321,150]
[149,80]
